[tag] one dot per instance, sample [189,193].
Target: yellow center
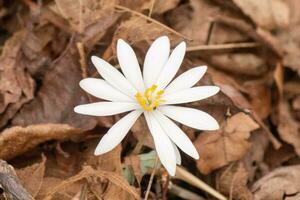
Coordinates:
[151,99]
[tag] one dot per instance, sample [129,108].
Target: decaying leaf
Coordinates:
[32,176]
[17,140]
[57,97]
[288,127]
[267,14]
[233,182]
[81,14]
[16,85]
[282,183]
[228,144]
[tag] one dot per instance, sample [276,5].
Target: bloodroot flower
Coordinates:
[152,94]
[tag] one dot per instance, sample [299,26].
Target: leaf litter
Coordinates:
[252,52]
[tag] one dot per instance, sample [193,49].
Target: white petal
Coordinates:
[172,66]
[163,144]
[186,80]
[101,89]
[130,65]
[177,154]
[190,117]
[117,133]
[113,76]
[190,95]
[155,60]
[177,135]
[105,108]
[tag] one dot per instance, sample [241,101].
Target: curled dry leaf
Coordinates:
[288,127]
[282,183]
[17,140]
[239,63]
[57,97]
[81,14]
[230,143]
[233,182]
[88,171]
[266,14]
[16,85]
[195,21]
[32,176]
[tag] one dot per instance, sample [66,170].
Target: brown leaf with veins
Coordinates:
[230,143]
[282,183]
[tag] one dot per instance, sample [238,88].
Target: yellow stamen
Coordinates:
[151,99]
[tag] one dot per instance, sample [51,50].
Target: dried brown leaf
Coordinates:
[57,98]
[233,182]
[81,13]
[266,14]
[278,184]
[288,127]
[228,144]
[32,176]
[16,85]
[17,140]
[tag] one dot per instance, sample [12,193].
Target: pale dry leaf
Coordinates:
[288,127]
[82,13]
[282,183]
[16,85]
[18,140]
[32,176]
[90,172]
[230,143]
[233,180]
[239,63]
[266,14]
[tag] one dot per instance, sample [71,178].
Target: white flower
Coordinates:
[152,95]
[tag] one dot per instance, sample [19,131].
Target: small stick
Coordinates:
[222,46]
[82,60]
[151,8]
[152,20]
[151,178]
[186,176]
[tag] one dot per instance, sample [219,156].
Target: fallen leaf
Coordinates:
[233,180]
[288,127]
[282,183]
[16,85]
[266,14]
[32,176]
[17,140]
[230,143]
[81,14]
[57,98]
[239,63]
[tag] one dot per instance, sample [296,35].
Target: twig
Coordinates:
[152,20]
[151,8]
[223,46]
[11,184]
[184,175]
[184,193]
[82,59]
[151,178]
